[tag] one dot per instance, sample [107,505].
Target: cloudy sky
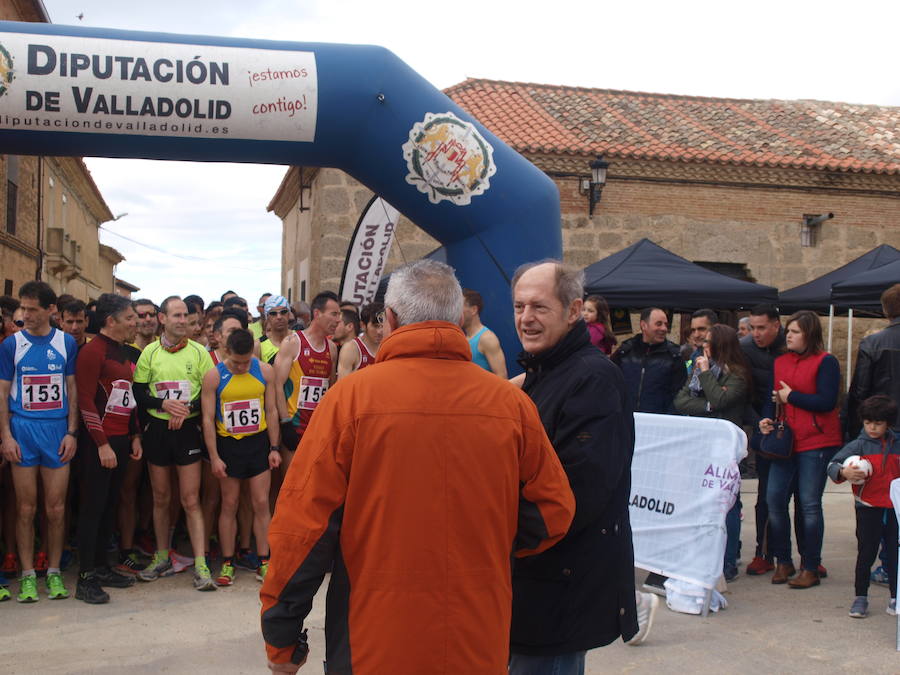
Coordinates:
[203,227]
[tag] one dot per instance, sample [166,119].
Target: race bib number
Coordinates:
[179,390]
[42,392]
[121,398]
[312,389]
[241,417]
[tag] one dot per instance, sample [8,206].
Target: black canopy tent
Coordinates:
[863,291]
[816,294]
[646,274]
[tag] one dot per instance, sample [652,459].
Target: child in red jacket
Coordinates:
[875,515]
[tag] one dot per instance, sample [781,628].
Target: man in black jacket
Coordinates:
[877,363]
[652,365]
[764,344]
[579,594]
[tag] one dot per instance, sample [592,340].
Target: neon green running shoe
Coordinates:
[261,571]
[226,575]
[28,589]
[203,580]
[56,590]
[4,593]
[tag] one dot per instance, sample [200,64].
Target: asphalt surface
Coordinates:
[168,627]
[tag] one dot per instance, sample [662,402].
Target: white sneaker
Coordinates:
[180,562]
[892,607]
[647,603]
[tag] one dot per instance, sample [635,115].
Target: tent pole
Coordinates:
[830,324]
[849,347]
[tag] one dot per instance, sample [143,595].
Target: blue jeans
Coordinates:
[808,468]
[733,528]
[561,664]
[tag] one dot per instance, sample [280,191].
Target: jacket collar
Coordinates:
[428,340]
[575,339]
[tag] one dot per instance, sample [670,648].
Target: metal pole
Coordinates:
[830,325]
[849,347]
[707,601]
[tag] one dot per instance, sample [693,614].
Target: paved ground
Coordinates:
[166,626]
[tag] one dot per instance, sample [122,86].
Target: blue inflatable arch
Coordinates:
[109,93]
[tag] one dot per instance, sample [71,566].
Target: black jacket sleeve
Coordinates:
[594,439]
[144,398]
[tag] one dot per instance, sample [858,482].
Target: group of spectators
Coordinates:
[779,372]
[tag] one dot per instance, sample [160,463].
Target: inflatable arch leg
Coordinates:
[99,92]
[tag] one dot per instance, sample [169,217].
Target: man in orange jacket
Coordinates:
[452,473]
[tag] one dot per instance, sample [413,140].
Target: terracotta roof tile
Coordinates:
[817,135]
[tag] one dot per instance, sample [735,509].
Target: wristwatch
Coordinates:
[73,434]
[274,448]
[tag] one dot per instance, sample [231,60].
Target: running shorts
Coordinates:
[245,457]
[165,447]
[39,440]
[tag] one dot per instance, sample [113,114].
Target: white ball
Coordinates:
[858,462]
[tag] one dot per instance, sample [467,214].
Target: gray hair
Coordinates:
[569,279]
[744,319]
[425,290]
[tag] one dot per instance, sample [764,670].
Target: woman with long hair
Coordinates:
[720,386]
[806,383]
[595,312]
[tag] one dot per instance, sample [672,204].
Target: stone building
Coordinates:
[50,211]
[724,182]
[714,180]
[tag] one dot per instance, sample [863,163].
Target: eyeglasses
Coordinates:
[281,312]
[144,315]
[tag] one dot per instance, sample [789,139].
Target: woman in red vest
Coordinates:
[807,381]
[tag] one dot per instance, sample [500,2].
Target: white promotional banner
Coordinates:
[368,252]
[684,479]
[52,83]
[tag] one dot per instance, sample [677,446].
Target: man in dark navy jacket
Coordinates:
[651,364]
[579,594]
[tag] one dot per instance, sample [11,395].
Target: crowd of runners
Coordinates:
[134,432]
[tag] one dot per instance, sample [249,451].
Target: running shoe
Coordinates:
[112,579]
[860,607]
[647,603]
[159,566]
[880,576]
[128,564]
[246,560]
[226,575]
[41,563]
[10,566]
[56,590]
[180,562]
[28,589]
[88,590]
[892,607]
[4,593]
[262,570]
[203,580]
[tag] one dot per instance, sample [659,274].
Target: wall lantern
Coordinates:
[593,187]
[809,227]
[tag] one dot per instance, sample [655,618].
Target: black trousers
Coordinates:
[99,490]
[873,523]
